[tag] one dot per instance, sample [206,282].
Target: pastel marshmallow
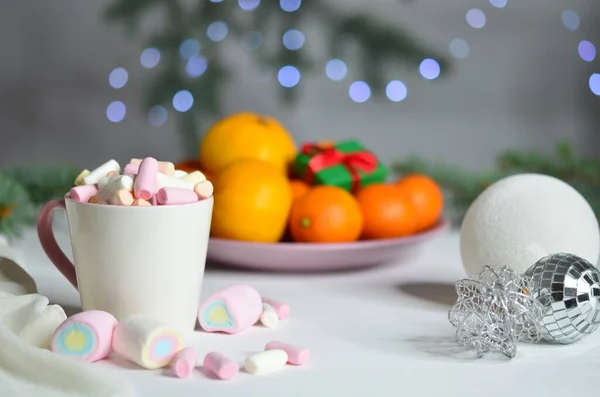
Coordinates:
[146,180]
[179,173]
[174,196]
[83,193]
[220,366]
[231,310]
[94,176]
[269,317]
[105,181]
[184,362]
[146,342]
[79,179]
[164,167]
[141,203]
[296,355]
[266,362]
[164,180]
[85,336]
[204,189]
[283,310]
[122,197]
[94,199]
[121,182]
[131,169]
[194,177]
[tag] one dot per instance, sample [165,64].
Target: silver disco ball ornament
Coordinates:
[569,289]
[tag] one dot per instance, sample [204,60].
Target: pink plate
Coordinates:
[317,257]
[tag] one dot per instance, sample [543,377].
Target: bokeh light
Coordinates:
[149,58]
[118,78]
[183,101]
[288,76]
[217,31]
[595,83]
[459,48]
[570,19]
[499,3]
[429,69]
[336,69]
[252,40]
[248,5]
[157,115]
[359,91]
[290,5]
[196,66]
[116,111]
[189,48]
[476,18]
[587,51]
[293,39]
[396,91]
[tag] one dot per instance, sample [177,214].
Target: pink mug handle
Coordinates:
[48,241]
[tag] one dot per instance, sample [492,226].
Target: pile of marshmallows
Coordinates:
[94,335]
[143,183]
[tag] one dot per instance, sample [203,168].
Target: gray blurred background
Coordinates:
[522,85]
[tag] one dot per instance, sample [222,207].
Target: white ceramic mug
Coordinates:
[134,260]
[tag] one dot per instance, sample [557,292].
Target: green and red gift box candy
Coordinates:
[344,164]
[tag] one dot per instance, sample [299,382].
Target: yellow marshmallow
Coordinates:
[194,177]
[79,179]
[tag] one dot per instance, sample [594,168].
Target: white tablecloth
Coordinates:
[374,333]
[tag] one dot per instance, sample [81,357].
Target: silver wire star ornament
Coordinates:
[494,311]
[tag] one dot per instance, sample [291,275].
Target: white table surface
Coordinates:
[377,332]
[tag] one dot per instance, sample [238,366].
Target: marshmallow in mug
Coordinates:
[142,183]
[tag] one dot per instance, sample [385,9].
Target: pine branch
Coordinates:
[43,183]
[16,208]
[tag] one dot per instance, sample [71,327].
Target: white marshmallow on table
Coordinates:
[120,182]
[179,173]
[265,362]
[146,342]
[164,180]
[269,317]
[94,176]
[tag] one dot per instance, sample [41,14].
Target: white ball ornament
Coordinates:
[522,218]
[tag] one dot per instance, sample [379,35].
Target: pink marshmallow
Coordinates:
[282,309]
[296,355]
[145,183]
[231,310]
[175,195]
[204,189]
[184,362]
[86,336]
[220,366]
[83,193]
[131,169]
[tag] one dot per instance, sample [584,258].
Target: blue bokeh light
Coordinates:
[594,83]
[499,3]
[336,69]
[587,50]
[459,48]
[157,115]
[217,31]
[476,18]
[248,5]
[290,5]
[293,39]
[288,76]
[359,91]
[189,48]
[118,78]
[183,101]
[429,69]
[196,66]
[116,111]
[149,58]
[396,91]
[570,19]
